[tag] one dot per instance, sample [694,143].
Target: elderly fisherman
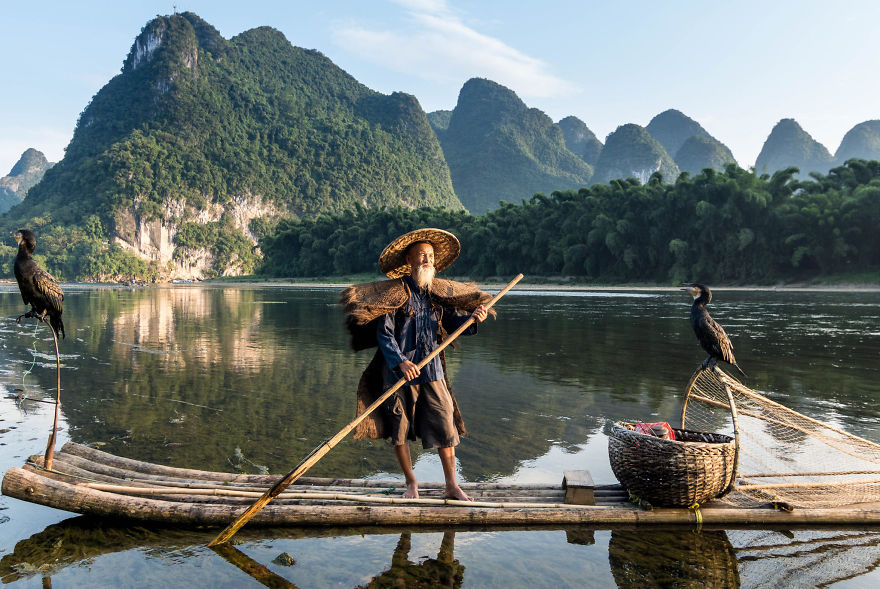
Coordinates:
[407,317]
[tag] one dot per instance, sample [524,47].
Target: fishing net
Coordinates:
[784,456]
[804,558]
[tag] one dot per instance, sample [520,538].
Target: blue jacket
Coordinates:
[412,334]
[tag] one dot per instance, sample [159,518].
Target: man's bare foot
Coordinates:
[456,493]
[412,490]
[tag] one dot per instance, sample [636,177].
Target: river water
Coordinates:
[252,378]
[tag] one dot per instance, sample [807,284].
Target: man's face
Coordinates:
[420,254]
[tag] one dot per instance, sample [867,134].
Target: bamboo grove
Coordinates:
[734,226]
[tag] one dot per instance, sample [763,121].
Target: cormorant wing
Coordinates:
[48,287]
[717,338]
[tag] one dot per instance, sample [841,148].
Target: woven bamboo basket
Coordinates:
[673,473]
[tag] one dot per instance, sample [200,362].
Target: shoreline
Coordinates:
[332,283]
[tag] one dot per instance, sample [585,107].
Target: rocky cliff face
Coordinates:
[26,172]
[789,145]
[154,239]
[631,152]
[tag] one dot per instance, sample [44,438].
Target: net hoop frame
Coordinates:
[733,414]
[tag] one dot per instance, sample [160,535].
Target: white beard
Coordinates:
[424,276]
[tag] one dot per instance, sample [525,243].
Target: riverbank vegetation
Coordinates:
[733,226]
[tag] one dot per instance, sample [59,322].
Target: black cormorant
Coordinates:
[712,336]
[38,288]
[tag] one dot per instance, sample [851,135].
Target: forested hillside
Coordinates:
[631,152]
[789,145]
[200,144]
[580,140]
[731,227]
[498,149]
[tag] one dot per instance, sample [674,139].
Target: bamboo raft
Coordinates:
[87,481]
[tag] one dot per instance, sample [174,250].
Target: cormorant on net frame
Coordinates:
[710,334]
[38,288]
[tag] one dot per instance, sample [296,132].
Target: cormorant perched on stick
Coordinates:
[712,337]
[38,288]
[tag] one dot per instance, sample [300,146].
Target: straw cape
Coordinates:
[392,260]
[365,304]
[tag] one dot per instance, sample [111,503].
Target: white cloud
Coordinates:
[435,44]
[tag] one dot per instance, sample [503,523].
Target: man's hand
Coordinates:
[409,370]
[480,314]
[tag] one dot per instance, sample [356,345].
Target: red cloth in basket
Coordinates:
[648,429]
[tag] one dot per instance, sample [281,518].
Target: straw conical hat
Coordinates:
[393,262]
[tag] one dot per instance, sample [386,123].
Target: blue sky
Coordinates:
[735,67]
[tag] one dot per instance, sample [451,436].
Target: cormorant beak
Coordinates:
[17,236]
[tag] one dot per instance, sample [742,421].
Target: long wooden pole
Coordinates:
[321,450]
[50,445]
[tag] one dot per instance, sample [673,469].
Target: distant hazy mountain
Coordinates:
[201,143]
[862,141]
[789,145]
[439,119]
[673,129]
[26,172]
[700,152]
[580,140]
[631,152]
[499,149]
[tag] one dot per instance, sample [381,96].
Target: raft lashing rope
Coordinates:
[786,459]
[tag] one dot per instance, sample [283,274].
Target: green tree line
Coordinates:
[731,226]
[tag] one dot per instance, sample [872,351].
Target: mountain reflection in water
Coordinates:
[247,378]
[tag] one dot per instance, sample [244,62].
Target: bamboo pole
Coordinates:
[30,486]
[320,451]
[687,394]
[807,485]
[50,444]
[733,417]
[328,496]
[136,469]
[783,475]
[93,460]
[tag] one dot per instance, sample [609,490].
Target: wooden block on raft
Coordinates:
[579,487]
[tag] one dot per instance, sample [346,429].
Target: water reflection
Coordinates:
[644,557]
[185,376]
[443,571]
[249,378]
[674,558]
[255,570]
